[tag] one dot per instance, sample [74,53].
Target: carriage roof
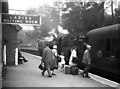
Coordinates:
[108,30]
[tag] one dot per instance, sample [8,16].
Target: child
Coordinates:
[62,61]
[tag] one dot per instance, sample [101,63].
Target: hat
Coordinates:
[55,46]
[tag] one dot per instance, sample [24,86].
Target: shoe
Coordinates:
[82,74]
[61,70]
[26,60]
[53,74]
[42,74]
[49,76]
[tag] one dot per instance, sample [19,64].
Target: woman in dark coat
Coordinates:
[47,59]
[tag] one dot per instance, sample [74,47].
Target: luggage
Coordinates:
[75,70]
[41,66]
[68,69]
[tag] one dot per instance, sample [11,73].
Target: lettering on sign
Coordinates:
[22,19]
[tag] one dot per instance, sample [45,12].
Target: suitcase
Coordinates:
[68,69]
[75,70]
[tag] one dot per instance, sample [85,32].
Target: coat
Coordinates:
[47,57]
[86,57]
[73,54]
[55,62]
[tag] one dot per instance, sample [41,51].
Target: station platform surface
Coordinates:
[28,75]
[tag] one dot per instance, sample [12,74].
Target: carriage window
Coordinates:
[101,46]
[108,44]
[108,48]
[115,48]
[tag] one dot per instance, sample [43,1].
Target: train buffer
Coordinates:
[28,75]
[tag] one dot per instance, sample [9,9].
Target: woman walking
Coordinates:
[47,59]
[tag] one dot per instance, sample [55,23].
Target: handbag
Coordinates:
[75,70]
[41,66]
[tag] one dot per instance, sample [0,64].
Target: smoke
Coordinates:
[48,38]
[62,31]
[53,34]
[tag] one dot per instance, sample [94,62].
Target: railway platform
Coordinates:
[28,75]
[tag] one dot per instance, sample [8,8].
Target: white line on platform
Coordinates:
[103,80]
[32,55]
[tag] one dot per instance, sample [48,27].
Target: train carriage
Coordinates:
[105,51]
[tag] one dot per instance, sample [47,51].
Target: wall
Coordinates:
[10,36]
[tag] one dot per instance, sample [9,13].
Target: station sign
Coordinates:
[20,19]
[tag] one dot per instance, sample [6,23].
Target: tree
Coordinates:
[55,18]
[110,11]
[117,15]
[45,12]
[50,19]
[86,16]
[72,19]
[83,17]
[31,11]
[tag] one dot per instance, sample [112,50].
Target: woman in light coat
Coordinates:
[73,55]
[55,62]
[86,60]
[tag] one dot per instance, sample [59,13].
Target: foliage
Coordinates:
[117,15]
[76,17]
[88,16]
[82,18]
[50,18]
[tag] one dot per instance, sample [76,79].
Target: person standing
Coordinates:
[86,60]
[62,61]
[47,59]
[72,56]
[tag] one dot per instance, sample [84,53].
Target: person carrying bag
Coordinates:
[41,66]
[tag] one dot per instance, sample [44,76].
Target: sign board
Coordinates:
[20,19]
